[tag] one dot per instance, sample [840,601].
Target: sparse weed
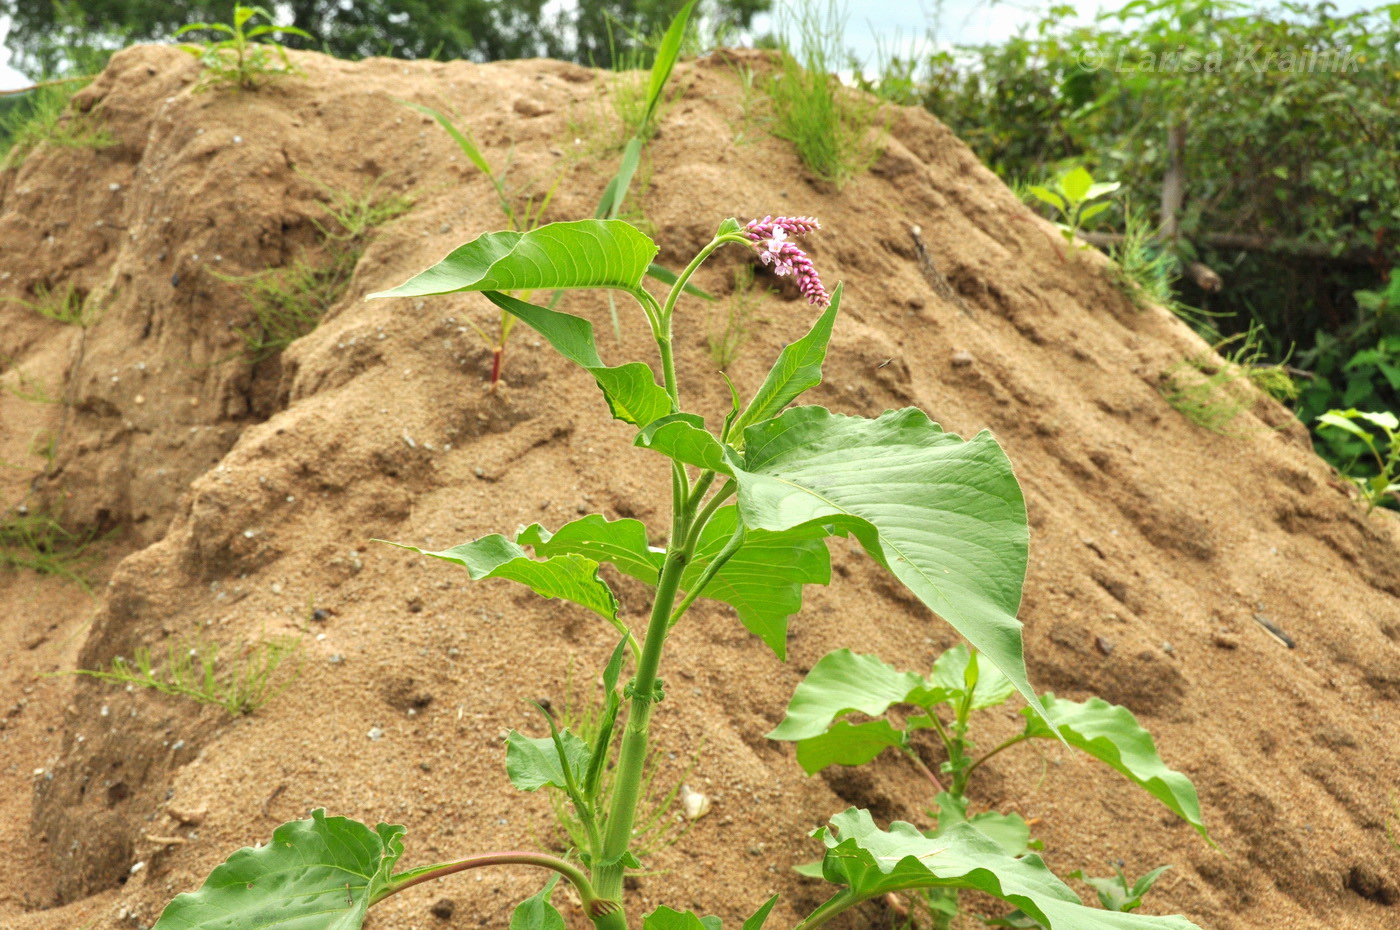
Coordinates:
[1144,271]
[1116,893]
[39,541]
[751,97]
[239,62]
[289,302]
[45,118]
[724,342]
[836,130]
[1205,391]
[30,390]
[67,305]
[194,671]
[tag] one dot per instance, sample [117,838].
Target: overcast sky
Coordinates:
[895,23]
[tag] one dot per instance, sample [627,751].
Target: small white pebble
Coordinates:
[375,733]
[137,867]
[114,186]
[237,140]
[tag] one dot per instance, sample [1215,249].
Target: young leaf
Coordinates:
[666,54]
[760,916]
[763,580]
[799,367]
[556,256]
[1009,831]
[1045,195]
[847,744]
[683,437]
[570,577]
[663,918]
[463,140]
[871,862]
[533,762]
[323,873]
[1110,733]
[842,682]
[950,672]
[620,542]
[1076,184]
[616,191]
[536,912]
[945,516]
[631,390]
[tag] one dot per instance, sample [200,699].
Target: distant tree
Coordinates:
[478,30]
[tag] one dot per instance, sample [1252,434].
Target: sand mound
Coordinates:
[246,496]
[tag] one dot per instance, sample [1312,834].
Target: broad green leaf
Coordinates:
[847,744]
[763,580]
[944,515]
[955,666]
[1075,184]
[809,869]
[1382,418]
[1009,831]
[631,390]
[1110,733]
[1101,188]
[533,762]
[798,368]
[842,682]
[760,916]
[620,542]
[871,862]
[570,577]
[317,874]
[536,912]
[663,918]
[683,437]
[1338,419]
[1091,211]
[1045,195]
[557,256]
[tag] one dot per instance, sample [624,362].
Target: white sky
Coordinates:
[895,23]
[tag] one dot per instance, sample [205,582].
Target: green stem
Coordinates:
[723,556]
[829,908]
[919,764]
[591,904]
[1006,744]
[713,505]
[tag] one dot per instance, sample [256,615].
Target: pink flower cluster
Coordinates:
[770,237]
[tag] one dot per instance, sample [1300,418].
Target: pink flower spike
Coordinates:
[770,237]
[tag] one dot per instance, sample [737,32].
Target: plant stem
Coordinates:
[829,909]
[919,764]
[568,870]
[1005,744]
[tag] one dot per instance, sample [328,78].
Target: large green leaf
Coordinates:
[570,577]
[763,580]
[621,542]
[799,367]
[664,918]
[532,763]
[1111,734]
[871,862]
[944,515]
[630,389]
[843,682]
[1009,831]
[758,918]
[847,744]
[317,874]
[557,256]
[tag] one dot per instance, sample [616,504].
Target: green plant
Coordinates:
[1385,483]
[40,542]
[195,671]
[68,306]
[724,342]
[751,98]
[836,130]
[1115,893]
[239,62]
[44,117]
[1071,199]
[1205,391]
[753,499]
[289,302]
[844,682]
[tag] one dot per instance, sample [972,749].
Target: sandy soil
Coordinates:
[245,497]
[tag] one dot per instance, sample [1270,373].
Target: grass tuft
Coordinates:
[68,306]
[725,342]
[45,118]
[289,302]
[832,127]
[39,542]
[1206,393]
[240,687]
